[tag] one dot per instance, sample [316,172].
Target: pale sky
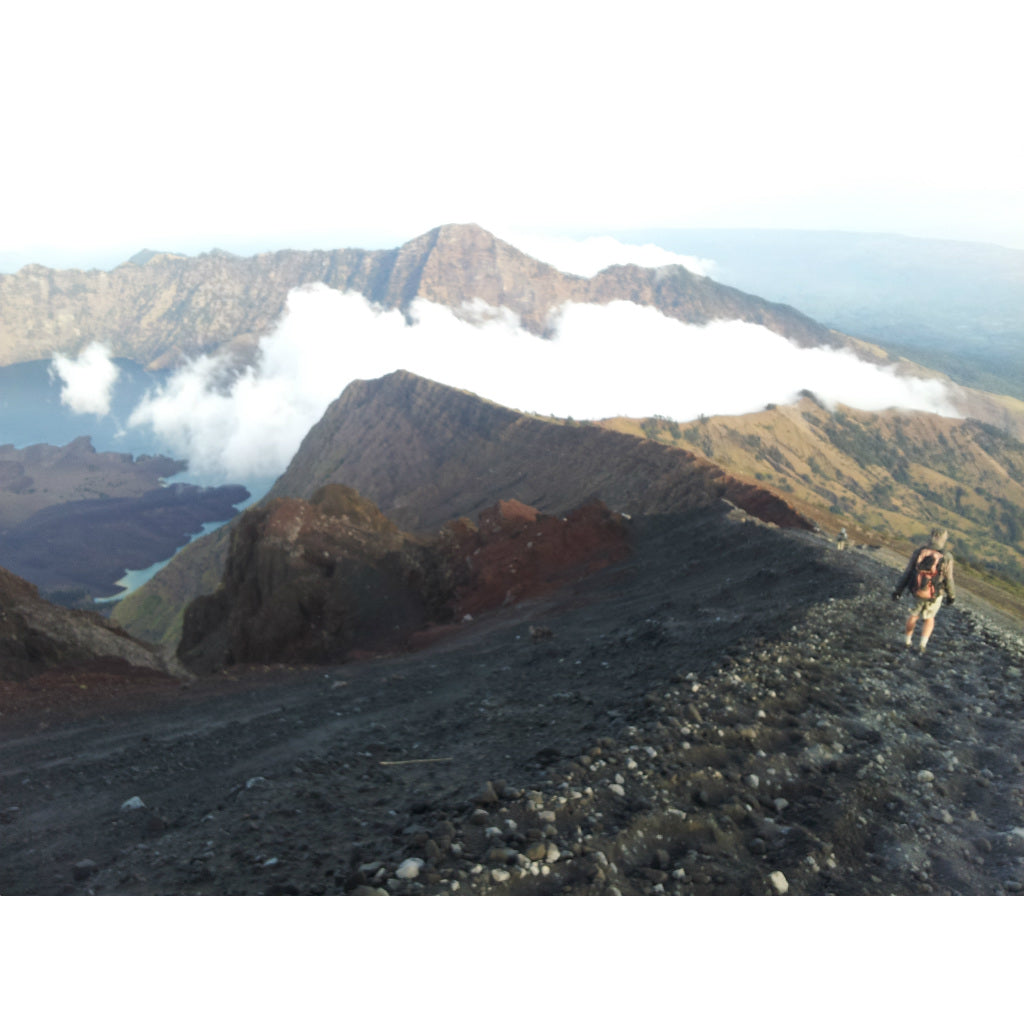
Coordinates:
[190,126]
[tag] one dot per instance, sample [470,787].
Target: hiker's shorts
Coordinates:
[926,609]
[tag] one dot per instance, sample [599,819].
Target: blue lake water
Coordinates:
[31,412]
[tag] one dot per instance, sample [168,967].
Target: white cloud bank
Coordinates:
[619,359]
[88,379]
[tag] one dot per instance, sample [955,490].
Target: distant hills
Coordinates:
[957,307]
[885,476]
[74,520]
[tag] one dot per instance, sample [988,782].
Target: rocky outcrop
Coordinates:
[164,309]
[332,578]
[516,552]
[311,581]
[426,454]
[38,637]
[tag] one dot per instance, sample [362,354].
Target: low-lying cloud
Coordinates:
[615,360]
[88,379]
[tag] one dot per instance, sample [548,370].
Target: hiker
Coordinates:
[929,575]
[841,540]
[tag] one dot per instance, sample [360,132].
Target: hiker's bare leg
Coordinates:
[909,630]
[926,630]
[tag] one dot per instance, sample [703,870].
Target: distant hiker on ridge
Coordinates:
[929,575]
[841,540]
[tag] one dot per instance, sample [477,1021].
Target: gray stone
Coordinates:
[537,850]
[410,868]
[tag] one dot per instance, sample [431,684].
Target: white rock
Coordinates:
[779,883]
[925,776]
[499,875]
[255,782]
[553,853]
[752,781]
[781,803]
[410,868]
[617,789]
[133,804]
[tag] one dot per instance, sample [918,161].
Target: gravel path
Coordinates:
[729,712]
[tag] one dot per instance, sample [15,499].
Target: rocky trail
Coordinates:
[730,711]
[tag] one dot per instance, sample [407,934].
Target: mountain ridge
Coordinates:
[426,453]
[163,311]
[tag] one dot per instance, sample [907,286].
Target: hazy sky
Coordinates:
[188,126]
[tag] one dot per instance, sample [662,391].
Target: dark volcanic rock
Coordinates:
[308,581]
[52,656]
[517,553]
[333,578]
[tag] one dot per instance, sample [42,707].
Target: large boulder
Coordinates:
[333,578]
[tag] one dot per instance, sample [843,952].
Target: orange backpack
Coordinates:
[927,574]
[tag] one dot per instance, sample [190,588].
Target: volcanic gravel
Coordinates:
[731,711]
